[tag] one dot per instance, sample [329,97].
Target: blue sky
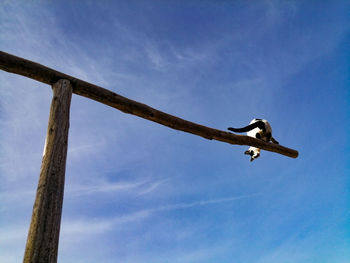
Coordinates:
[137,191]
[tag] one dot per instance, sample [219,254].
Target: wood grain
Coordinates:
[43,236]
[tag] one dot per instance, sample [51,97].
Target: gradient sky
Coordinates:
[137,191]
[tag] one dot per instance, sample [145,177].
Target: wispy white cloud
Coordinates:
[135,189]
[100,225]
[106,187]
[150,187]
[87,147]
[203,202]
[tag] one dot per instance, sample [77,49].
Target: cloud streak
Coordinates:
[101,225]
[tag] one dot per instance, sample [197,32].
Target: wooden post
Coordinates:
[43,236]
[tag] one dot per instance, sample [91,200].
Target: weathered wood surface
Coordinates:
[17,65]
[43,236]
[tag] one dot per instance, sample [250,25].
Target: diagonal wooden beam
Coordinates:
[30,69]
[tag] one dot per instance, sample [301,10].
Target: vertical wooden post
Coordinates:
[43,236]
